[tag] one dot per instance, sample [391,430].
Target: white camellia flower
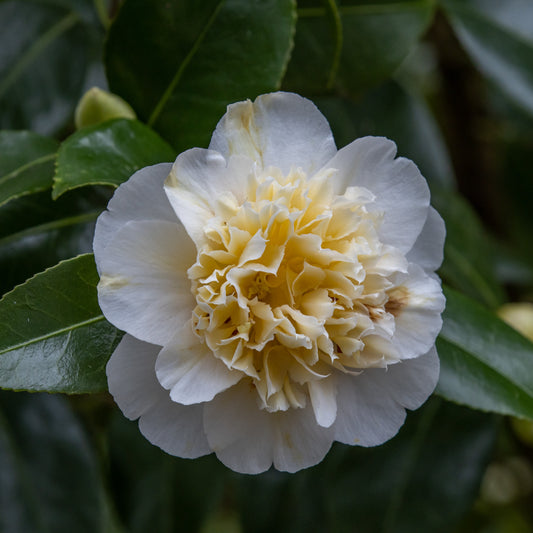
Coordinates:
[277,294]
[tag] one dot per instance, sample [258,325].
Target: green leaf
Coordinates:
[108,154]
[468,251]
[485,364]
[53,336]
[354,45]
[50,480]
[180,63]
[26,163]
[47,50]
[37,232]
[498,37]
[423,479]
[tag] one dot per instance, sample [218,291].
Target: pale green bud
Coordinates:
[97,106]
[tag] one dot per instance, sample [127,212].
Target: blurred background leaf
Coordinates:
[26,163]
[155,491]
[49,52]
[499,38]
[50,478]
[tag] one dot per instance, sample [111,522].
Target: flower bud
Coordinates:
[97,106]
[518,315]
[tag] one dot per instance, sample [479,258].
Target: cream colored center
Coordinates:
[294,284]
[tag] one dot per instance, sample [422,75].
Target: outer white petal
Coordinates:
[300,441]
[371,405]
[175,428]
[189,370]
[401,192]
[278,129]
[201,182]
[144,289]
[419,322]
[140,198]
[428,250]
[241,434]
[248,439]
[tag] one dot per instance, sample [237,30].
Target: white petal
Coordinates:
[199,180]
[371,405]
[428,250]
[419,322]
[190,371]
[323,399]
[131,376]
[279,129]
[416,379]
[300,442]
[248,439]
[140,198]
[176,429]
[241,434]
[144,289]
[401,192]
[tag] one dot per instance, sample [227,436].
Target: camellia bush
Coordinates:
[266,266]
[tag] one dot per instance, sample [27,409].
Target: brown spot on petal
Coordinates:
[398,299]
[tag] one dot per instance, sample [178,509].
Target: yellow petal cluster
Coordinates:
[294,283]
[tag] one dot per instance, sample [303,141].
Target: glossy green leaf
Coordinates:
[423,479]
[108,154]
[180,63]
[37,232]
[53,336]
[485,364]
[498,37]
[26,163]
[50,480]
[468,251]
[47,50]
[353,45]
[156,491]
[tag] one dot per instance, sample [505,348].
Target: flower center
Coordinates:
[294,283]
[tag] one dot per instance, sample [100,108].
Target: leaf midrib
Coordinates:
[54,333]
[26,166]
[184,64]
[48,226]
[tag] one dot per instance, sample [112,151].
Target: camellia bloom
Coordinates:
[277,294]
